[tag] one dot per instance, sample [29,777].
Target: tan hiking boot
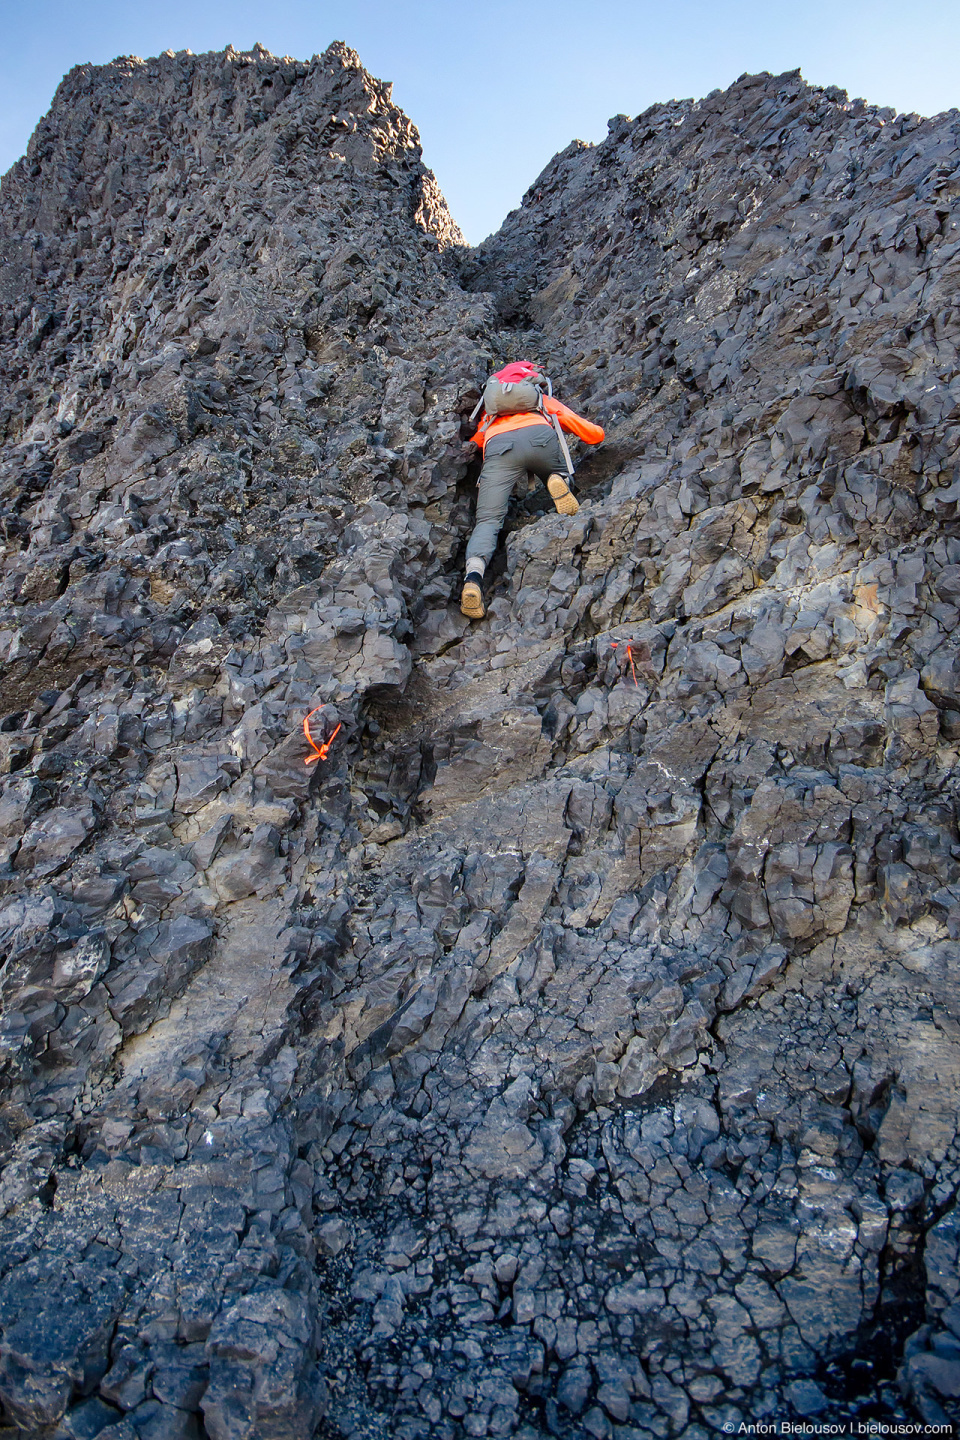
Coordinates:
[471,601]
[563,497]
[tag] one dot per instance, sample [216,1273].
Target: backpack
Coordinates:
[515,389]
[518,389]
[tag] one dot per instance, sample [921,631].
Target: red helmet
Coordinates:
[519,370]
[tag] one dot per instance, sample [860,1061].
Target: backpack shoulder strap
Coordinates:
[560,436]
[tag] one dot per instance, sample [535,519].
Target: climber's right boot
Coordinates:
[471,596]
[563,497]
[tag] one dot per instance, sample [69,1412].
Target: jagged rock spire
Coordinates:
[568,1048]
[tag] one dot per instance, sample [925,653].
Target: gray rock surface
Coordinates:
[575,1050]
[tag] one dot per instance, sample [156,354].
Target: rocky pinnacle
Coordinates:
[575,1049]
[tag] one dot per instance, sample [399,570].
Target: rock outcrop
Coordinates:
[575,1050]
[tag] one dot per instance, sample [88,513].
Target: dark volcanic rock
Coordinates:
[573,1051]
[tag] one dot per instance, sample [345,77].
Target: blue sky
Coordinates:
[497,88]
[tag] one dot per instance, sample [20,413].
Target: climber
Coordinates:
[521,431]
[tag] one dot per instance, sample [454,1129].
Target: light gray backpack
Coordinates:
[513,398]
[514,390]
[518,390]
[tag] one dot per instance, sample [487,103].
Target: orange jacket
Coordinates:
[570,421]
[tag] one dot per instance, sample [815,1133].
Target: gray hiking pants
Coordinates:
[506,459]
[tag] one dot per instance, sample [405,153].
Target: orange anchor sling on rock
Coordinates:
[629,644]
[320,752]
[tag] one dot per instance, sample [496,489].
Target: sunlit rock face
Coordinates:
[573,1050]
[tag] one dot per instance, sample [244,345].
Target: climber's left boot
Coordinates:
[471,596]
